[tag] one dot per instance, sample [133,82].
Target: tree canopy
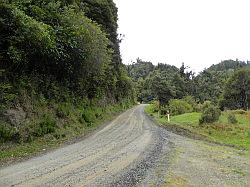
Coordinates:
[237,90]
[74,43]
[225,84]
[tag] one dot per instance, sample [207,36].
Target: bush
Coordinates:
[206,105]
[6,95]
[89,116]
[46,126]
[6,132]
[98,113]
[155,106]
[210,114]
[199,107]
[178,107]
[231,118]
[190,100]
[63,110]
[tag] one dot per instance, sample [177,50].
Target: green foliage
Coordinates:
[6,95]
[210,85]
[6,132]
[191,100]
[198,107]
[178,106]
[237,91]
[61,41]
[206,105]
[154,106]
[239,111]
[56,58]
[64,110]
[162,82]
[207,85]
[229,65]
[221,131]
[210,114]
[231,118]
[89,116]
[140,69]
[47,125]
[161,89]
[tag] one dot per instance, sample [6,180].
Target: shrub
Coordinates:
[6,95]
[198,108]
[46,126]
[190,100]
[178,106]
[206,105]
[164,110]
[210,114]
[63,110]
[6,132]
[98,113]
[231,118]
[89,116]
[155,106]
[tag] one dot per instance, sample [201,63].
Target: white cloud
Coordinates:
[197,32]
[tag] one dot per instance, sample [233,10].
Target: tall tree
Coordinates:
[162,89]
[237,90]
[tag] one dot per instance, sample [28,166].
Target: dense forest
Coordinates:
[72,43]
[226,84]
[59,60]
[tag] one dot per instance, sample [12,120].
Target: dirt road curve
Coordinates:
[128,151]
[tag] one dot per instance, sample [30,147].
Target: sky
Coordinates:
[197,32]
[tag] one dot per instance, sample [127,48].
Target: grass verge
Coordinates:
[222,132]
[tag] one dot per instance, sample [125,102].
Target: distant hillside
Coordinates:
[229,64]
[140,69]
[210,83]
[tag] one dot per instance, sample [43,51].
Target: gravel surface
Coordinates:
[199,163]
[129,151]
[133,151]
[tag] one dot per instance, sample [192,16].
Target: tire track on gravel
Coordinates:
[121,154]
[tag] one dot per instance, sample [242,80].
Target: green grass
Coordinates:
[188,118]
[221,131]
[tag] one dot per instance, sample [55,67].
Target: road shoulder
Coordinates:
[199,163]
[196,161]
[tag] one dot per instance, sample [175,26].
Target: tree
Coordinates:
[210,114]
[237,91]
[162,89]
[209,85]
[73,43]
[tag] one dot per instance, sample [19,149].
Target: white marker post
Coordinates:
[168,114]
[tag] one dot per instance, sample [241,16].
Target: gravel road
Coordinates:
[133,151]
[129,151]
